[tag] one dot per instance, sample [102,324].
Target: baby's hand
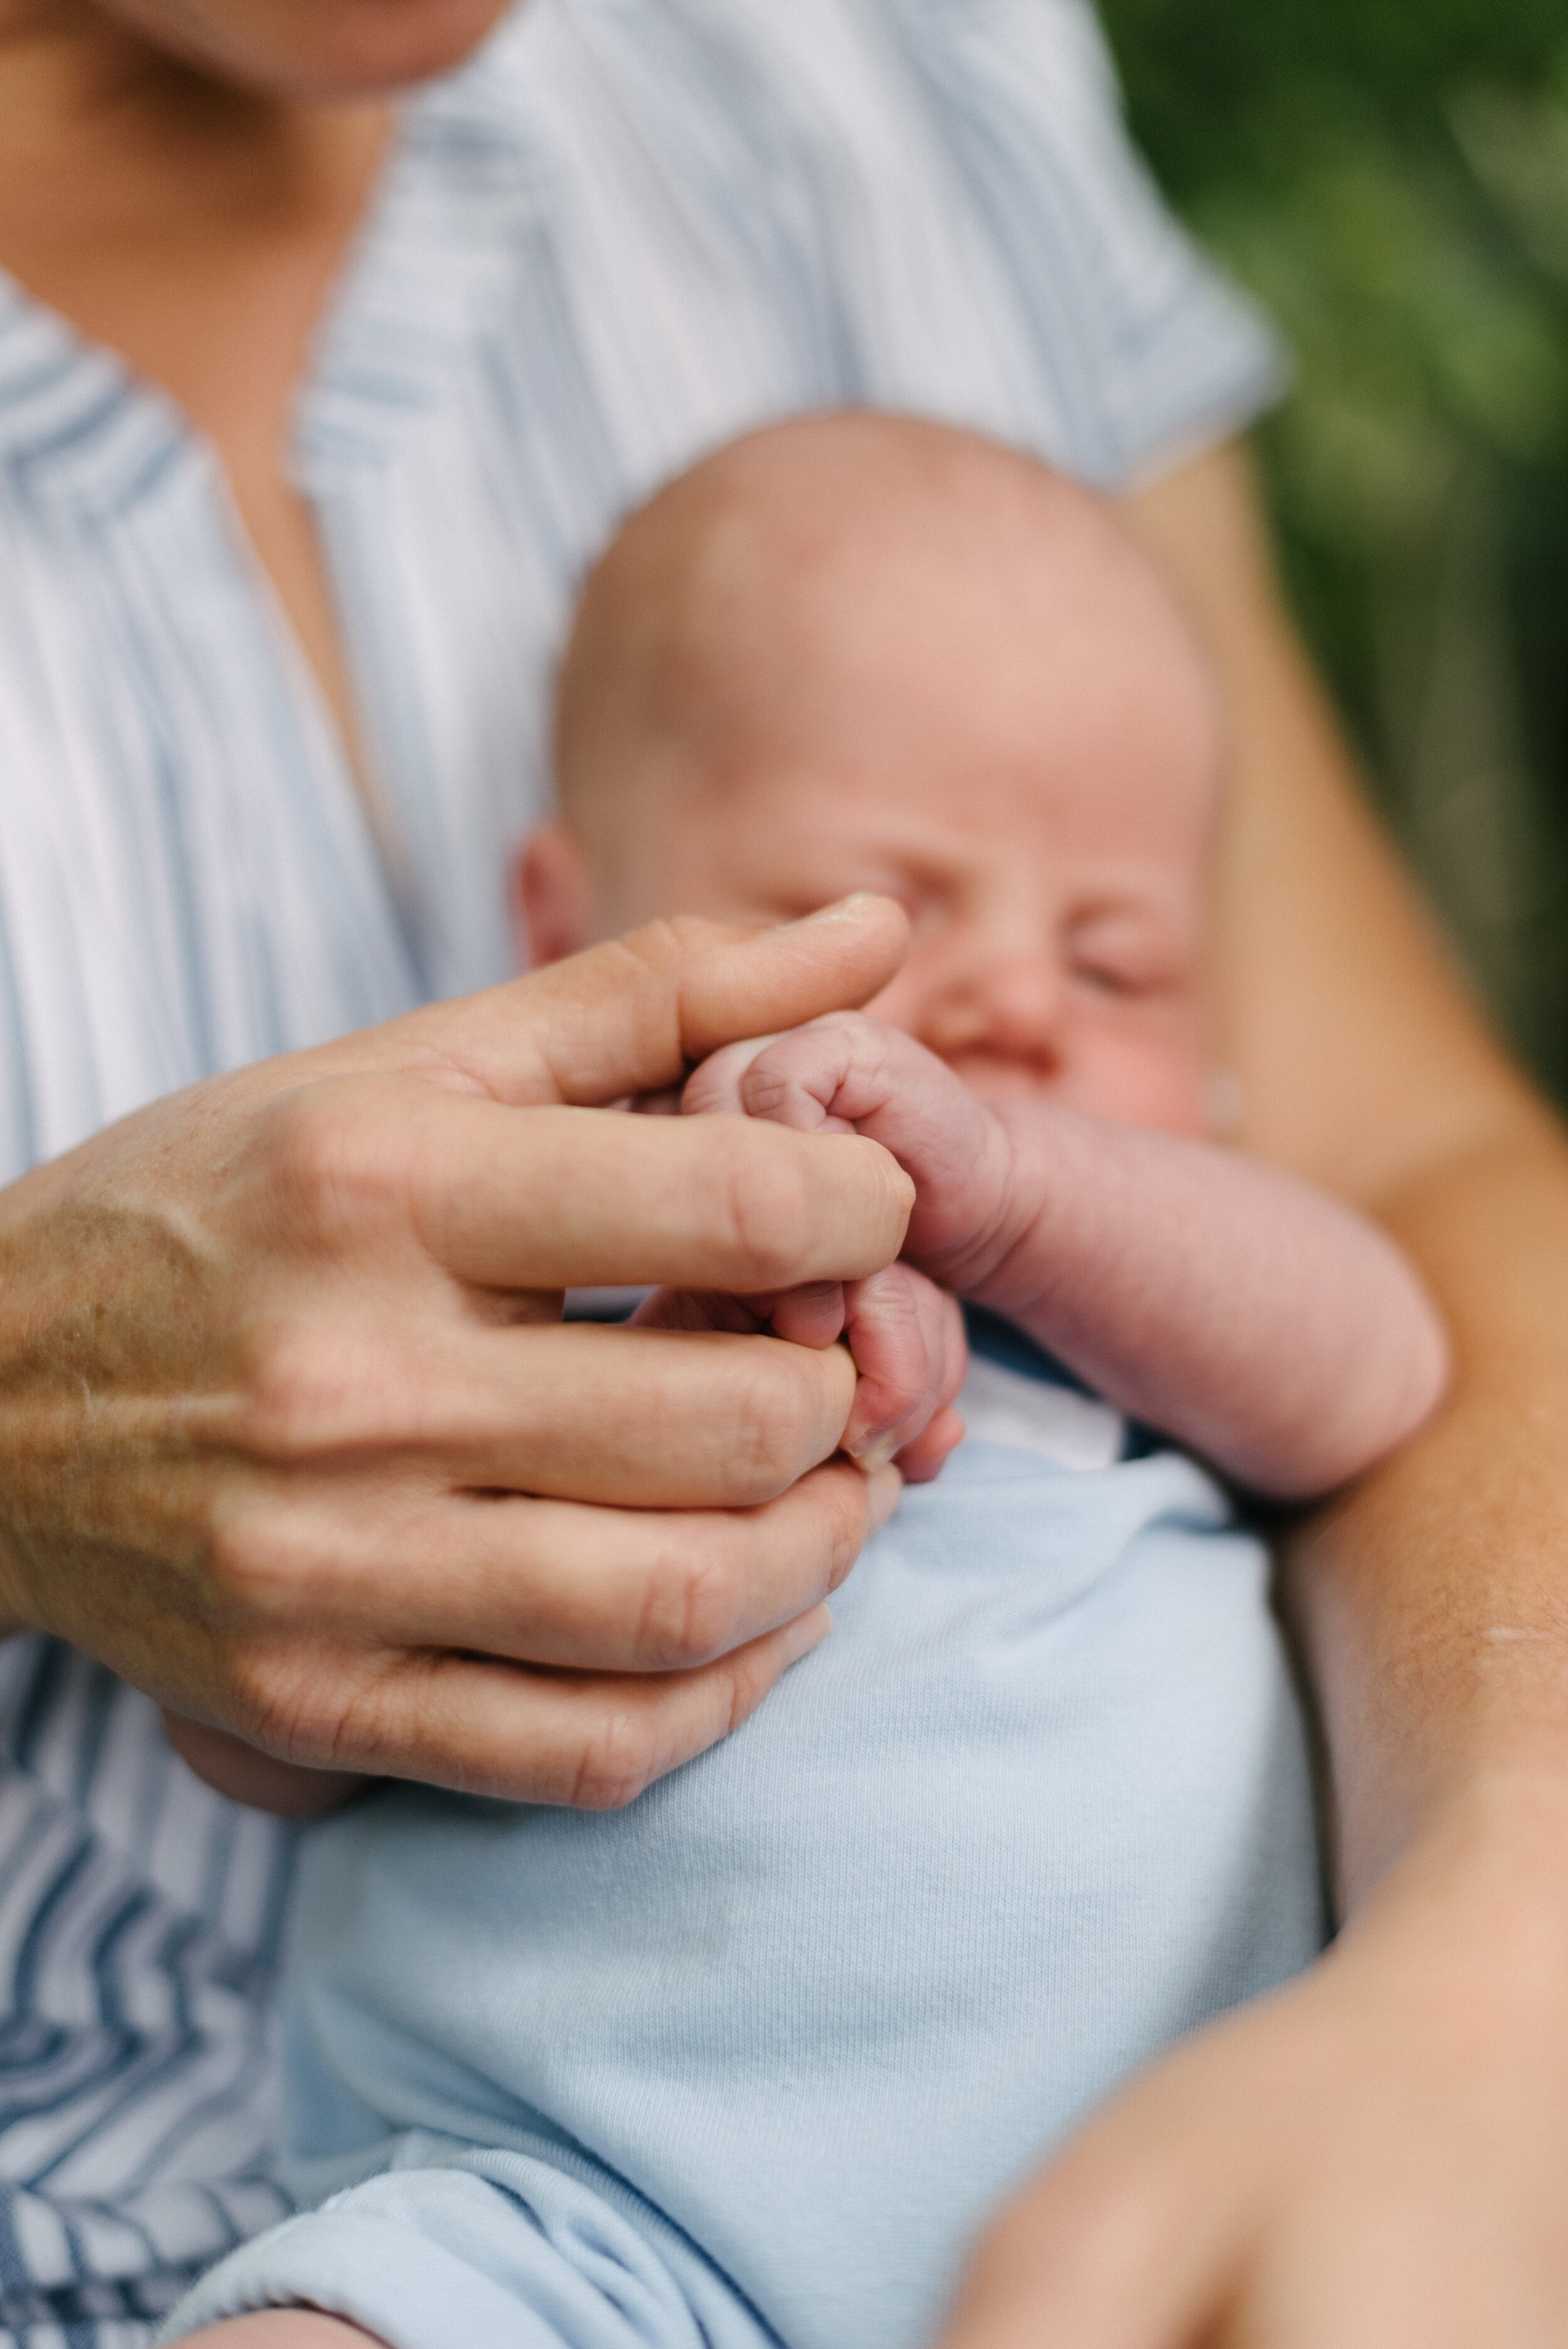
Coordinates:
[847,1073]
[905,1333]
[906,1337]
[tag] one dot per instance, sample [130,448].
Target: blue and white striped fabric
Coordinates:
[628,230]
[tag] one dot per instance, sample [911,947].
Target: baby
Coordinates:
[748,2062]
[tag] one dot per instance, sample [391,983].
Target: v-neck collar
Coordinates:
[423,277]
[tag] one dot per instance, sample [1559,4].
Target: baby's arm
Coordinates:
[1259,1321]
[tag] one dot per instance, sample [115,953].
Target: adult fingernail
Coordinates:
[876,1455]
[884,1493]
[806,1633]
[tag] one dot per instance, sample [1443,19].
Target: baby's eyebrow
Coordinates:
[1143,913]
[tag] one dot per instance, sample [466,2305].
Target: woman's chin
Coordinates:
[315,49]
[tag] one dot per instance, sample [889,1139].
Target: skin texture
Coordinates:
[1382,2158]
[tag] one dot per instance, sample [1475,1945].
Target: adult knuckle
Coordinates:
[747,1681]
[303,1392]
[274,1567]
[770,1207]
[331,1169]
[283,1705]
[616,1760]
[692,1596]
[241,1564]
[667,940]
[839,1494]
[776,1424]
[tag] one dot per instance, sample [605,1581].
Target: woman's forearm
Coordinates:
[1432,1600]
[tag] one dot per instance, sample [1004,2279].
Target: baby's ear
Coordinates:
[549,896]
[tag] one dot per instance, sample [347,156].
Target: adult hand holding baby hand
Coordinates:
[905,1334]
[290,1434]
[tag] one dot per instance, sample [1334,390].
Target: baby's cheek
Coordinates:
[1138,1068]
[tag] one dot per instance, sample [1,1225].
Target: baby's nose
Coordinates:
[1008,1006]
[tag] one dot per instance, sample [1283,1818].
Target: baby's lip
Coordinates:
[990,1078]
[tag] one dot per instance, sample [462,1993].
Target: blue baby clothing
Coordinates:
[751,2060]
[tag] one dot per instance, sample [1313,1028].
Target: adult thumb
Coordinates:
[638,1013]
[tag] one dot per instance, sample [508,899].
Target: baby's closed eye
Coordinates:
[1122,954]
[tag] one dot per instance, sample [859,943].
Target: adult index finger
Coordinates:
[567,1198]
[635,1014]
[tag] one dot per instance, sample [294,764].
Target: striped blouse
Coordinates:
[628,229]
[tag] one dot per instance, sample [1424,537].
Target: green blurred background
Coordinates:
[1391,178]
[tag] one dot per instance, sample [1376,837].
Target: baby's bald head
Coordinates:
[854,627]
[810,587]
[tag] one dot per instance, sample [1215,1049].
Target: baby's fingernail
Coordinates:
[883,1493]
[877,1453]
[806,1633]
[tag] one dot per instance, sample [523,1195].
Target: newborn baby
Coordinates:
[747,2061]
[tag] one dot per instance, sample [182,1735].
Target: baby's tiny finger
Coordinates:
[811,1315]
[907,1339]
[713,1085]
[921,1462]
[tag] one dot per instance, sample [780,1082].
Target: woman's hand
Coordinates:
[1374,2158]
[291,1434]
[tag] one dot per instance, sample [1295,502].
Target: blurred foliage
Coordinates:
[1390,177]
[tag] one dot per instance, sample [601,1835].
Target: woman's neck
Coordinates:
[199,231]
[61,66]
[95,117]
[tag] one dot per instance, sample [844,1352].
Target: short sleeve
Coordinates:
[1149,351]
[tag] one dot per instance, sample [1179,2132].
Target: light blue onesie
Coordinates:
[750,2061]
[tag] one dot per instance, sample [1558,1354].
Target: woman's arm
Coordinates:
[1434,1600]
[1377,2159]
